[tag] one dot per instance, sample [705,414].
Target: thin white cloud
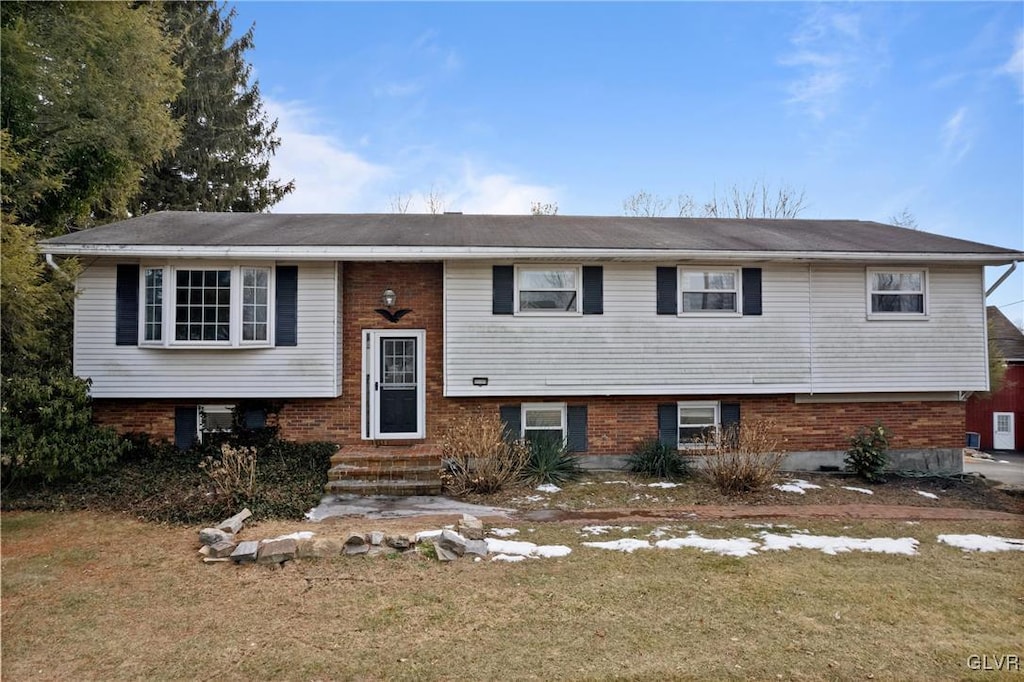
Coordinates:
[495,193]
[1014,66]
[956,136]
[328,177]
[474,191]
[831,54]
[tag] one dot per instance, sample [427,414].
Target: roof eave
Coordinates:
[413,253]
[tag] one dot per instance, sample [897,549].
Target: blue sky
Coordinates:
[869,109]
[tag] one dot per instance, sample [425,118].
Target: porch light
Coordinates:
[388,298]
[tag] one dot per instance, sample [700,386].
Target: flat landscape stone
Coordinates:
[476,548]
[277,551]
[245,552]
[399,542]
[444,554]
[452,542]
[234,524]
[221,549]
[211,536]
[471,528]
[376,537]
[356,544]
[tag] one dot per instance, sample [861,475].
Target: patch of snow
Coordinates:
[795,485]
[525,549]
[836,544]
[930,496]
[629,545]
[983,543]
[595,530]
[552,551]
[912,523]
[530,498]
[1003,461]
[548,488]
[300,535]
[511,558]
[658,532]
[662,484]
[859,490]
[426,535]
[615,482]
[738,547]
[503,532]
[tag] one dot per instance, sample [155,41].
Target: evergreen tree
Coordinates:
[223,161]
[84,103]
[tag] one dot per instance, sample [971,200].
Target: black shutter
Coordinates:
[730,416]
[667,295]
[668,424]
[127,306]
[751,291]
[593,290]
[511,417]
[254,418]
[286,317]
[503,290]
[576,425]
[186,426]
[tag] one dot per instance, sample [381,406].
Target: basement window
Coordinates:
[214,419]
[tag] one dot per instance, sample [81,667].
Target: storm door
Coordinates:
[393,384]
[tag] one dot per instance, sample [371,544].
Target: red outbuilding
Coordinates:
[998,417]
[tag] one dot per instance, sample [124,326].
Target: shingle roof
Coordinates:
[193,229]
[1008,339]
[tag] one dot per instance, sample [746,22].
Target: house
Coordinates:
[998,417]
[378,329]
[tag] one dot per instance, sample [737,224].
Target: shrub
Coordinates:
[654,458]
[867,456]
[477,457]
[550,461]
[744,459]
[48,432]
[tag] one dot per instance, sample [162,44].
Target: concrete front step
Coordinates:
[391,487]
[384,471]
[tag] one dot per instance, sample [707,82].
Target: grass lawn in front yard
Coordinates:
[88,595]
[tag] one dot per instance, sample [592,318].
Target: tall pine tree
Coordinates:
[223,161]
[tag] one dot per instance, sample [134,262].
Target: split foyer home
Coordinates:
[369,330]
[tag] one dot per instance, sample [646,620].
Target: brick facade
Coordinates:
[615,424]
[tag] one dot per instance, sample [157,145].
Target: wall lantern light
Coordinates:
[388,298]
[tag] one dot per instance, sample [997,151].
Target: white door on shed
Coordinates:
[1002,431]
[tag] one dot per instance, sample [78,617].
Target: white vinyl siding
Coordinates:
[309,369]
[945,352]
[630,350]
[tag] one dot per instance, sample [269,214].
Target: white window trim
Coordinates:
[550,313]
[682,269]
[563,427]
[201,411]
[868,291]
[703,404]
[170,302]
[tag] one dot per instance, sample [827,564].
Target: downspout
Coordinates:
[56,268]
[810,327]
[1013,266]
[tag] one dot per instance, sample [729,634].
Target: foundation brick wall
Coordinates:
[615,424]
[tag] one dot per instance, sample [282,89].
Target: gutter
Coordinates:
[414,253]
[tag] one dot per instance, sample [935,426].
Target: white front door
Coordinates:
[394,401]
[1002,431]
